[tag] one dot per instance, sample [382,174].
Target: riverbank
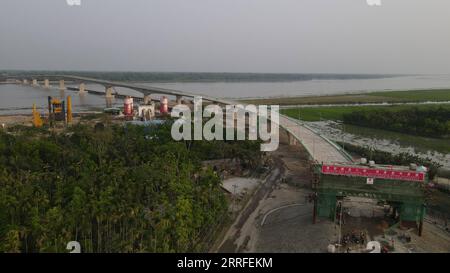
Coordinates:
[8,120]
[404,96]
[27,119]
[337,112]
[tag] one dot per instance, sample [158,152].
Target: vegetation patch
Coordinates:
[435,95]
[424,121]
[111,188]
[338,112]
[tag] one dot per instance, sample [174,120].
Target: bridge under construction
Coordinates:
[402,189]
[335,174]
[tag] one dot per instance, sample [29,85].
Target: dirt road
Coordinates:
[277,218]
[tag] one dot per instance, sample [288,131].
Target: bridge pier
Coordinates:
[35,82]
[147,99]
[109,92]
[178,99]
[291,139]
[62,86]
[82,89]
[46,84]
[109,102]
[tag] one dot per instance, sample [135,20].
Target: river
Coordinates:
[18,99]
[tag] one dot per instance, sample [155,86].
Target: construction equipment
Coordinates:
[37,121]
[398,186]
[57,110]
[69,109]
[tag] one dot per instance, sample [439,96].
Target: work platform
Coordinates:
[399,187]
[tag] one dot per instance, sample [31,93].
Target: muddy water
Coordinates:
[19,99]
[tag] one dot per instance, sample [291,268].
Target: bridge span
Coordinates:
[318,147]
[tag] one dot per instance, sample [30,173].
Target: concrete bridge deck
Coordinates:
[319,148]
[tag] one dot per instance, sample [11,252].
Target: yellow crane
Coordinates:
[69,109]
[56,111]
[37,120]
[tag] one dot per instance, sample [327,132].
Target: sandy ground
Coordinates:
[15,119]
[242,232]
[27,120]
[290,229]
[240,185]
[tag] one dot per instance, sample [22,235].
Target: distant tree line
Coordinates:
[430,121]
[113,189]
[203,76]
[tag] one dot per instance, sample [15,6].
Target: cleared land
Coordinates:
[372,97]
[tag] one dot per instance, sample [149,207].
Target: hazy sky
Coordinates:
[332,36]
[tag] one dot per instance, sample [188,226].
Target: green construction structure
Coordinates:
[401,188]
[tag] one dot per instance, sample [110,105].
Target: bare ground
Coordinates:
[10,120]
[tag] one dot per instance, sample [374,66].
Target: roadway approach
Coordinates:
[319,148]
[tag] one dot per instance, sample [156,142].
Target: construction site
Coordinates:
[395,194]
[360,207]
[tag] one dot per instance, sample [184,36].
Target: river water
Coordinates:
[309,87]
[18,99]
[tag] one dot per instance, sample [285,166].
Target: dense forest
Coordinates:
[111,188]
[430,121]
